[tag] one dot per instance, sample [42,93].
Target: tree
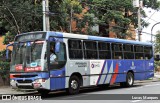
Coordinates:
[157,43]
[68,11]
[157,50]
[121,12]
[17,16]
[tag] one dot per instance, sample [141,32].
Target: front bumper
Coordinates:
[28,84]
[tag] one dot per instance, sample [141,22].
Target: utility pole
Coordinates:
[46,24]
[152,30]
[139,23]
[71,13]
[138,4]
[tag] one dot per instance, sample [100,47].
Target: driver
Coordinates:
[53,57]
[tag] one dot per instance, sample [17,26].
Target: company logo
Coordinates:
[92,65]
[133,66]
[24,79]
[95,65]
[6,97]
[12,97]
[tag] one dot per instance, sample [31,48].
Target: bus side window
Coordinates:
[60,57]
[117,51]
[139,53]
[128,51]
[75,49]
[90,50]
[148,52]
[104,50]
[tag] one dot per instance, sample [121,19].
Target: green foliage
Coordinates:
[152,4]
[157,50]
[157,43]
[118,10]
[157,66]
[8,37]
[4,66]
[18,16]
[68,10]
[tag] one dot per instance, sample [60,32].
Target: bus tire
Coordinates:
[129,79]
[74,85]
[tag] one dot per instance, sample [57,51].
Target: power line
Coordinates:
[149,33]
[151,16]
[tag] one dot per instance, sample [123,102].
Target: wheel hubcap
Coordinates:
[130,80]
[74,84]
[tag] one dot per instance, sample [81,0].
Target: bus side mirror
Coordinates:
[57,47]
[8,52]
[157,57]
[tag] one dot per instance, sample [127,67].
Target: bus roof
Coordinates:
[97,38]
[88,37]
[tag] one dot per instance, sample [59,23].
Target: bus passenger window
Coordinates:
[128,51]
[104,50]
[148,52]
[75,49]
[117,51]
[139,53]
[90,50]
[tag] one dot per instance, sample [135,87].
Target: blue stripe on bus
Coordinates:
[101,72]
[108,68]
[118,40]
[50,33]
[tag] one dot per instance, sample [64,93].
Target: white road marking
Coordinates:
[136,101]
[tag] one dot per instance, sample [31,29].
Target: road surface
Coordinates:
[112,94]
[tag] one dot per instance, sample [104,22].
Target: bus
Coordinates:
[81,61]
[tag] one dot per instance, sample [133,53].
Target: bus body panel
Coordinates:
[93,71]
[78,66]
[57,79]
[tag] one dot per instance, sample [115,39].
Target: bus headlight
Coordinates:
[12,80]
[39,80]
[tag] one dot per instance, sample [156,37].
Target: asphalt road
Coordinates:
[112,94]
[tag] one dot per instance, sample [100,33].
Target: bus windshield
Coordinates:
[27,56]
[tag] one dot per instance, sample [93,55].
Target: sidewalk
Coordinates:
[9,90]
[157,75]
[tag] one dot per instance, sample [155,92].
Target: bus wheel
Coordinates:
[129,79]
[74,85]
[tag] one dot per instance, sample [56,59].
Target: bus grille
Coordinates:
[24,81]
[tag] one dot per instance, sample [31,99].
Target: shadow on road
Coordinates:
[58,95]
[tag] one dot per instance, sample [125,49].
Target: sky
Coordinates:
[153,17]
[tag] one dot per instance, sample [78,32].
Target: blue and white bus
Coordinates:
[82,61]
